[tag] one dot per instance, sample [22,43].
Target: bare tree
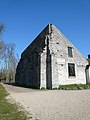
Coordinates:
[2,54]
[2,44]
[11,62]
[1,27]
[8,60]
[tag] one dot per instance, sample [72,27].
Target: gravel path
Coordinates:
[52,104]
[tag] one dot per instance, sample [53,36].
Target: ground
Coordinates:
[52,104]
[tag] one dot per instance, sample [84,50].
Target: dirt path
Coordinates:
[52,104]
[15,89]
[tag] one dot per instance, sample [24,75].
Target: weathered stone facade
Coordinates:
[88,70]
[51,60]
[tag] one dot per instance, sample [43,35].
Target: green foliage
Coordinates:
[74,87]
[55,88]
[9,111]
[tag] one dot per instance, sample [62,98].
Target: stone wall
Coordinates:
[88,71]
[28,71]
[60,59]
[44,63]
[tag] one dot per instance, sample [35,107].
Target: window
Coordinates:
[71,69]
[70,52]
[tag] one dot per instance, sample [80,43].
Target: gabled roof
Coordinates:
[45,32]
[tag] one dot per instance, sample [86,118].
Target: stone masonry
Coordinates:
[45,62]
[88,70]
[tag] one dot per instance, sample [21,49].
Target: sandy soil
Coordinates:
[52,104]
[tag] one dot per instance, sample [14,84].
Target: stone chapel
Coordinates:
[51,60]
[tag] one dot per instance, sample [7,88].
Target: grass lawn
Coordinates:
[74,87]
[9,111]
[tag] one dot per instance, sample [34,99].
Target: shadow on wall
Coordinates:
[48,68]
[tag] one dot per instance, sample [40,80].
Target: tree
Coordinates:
[2,44]
[11,62]
[1,27]
[2,49]
[2,54]
[8,60]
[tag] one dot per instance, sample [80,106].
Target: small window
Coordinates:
[71,69]
[70,52]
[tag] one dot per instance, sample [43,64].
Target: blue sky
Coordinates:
[25,19]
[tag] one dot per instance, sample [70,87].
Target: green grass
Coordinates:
[9,111]
[74,87]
